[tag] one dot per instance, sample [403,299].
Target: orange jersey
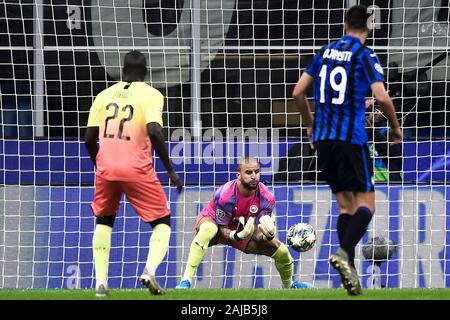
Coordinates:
[122,113]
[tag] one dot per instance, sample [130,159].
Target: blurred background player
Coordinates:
[127,119]
[230,219]
[343,72]
[387,157]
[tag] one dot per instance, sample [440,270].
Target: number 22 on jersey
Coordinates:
[120,135]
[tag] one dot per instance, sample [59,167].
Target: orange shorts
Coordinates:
[147,198]
[240,245]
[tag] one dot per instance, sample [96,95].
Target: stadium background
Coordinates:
[254,53]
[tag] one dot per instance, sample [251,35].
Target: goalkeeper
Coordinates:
[239,215]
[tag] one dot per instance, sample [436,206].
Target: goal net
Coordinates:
[227,70]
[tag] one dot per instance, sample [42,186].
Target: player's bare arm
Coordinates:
[90,140]
[224,232]
[302,103]
[157,137]
[300,99]
[388,109]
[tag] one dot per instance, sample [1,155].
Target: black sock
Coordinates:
[356,229]
[342,224]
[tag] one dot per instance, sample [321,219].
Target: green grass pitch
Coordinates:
[227,294]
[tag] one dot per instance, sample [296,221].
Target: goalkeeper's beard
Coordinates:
[252,185]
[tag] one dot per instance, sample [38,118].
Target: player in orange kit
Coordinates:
[127,119]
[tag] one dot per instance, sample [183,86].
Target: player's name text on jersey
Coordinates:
[337,55]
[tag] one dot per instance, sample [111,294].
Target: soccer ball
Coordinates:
[301,237]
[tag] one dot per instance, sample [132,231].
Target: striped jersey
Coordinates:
[343,72]
[122,113]
[228,204]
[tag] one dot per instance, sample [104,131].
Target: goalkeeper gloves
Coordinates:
[267,227]
[244,229]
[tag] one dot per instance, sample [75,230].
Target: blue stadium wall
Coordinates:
[64,228]
[414,215]
[58,162]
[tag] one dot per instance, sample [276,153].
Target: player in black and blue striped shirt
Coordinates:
[342,73]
